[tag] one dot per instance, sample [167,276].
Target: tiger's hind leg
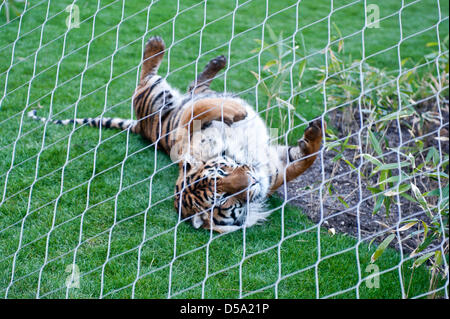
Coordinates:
[203,81]
[154,99]
[153,55]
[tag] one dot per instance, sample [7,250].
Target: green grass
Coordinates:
[93,196]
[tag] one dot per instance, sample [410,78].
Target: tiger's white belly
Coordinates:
[246,141]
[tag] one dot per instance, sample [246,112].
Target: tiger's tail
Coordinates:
[106,122]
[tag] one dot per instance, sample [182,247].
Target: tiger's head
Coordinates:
[223,187]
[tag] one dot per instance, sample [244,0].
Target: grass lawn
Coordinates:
[103,199]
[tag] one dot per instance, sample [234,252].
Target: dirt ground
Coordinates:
[312,196]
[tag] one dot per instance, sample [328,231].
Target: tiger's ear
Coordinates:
[190,163]
[186,164]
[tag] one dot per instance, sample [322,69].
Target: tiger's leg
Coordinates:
[203,81]
[212,109]
[153,55]
[300,157]
[154,99]
[200,114]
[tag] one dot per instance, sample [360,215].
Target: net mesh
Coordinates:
[88,212]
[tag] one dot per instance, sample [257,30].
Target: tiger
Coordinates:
[228,166]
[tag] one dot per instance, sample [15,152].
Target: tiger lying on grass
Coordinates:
[227,167]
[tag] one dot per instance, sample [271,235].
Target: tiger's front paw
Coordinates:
[312,138]
[239,115]
[232,116]
[232,112]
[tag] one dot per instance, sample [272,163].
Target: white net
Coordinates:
[88,212]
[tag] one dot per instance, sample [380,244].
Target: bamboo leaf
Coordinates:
[349,164]
[278,82]
[438,258]
[375,143]
[421,199]
[266,90]
[419,261]
[372,159]
[269,64]
[390,166]
[382,247]
[387,205]
[301,68]
[342,201]
[353,91]
[399,114]
[405,195]
[379,201]
[285,103]
[401,189]
[272,34]
[407,226]
[392,179]
[382,178]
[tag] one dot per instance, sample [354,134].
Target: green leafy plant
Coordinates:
[274,79]
[419,180]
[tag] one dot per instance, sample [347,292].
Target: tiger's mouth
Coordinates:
[256,189]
